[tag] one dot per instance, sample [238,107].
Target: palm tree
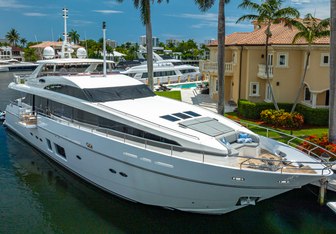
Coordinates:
[145,9]
[332,104]
[13,36]
[74,36]
[310,29]
[269,12]
[23,42]
[205,5]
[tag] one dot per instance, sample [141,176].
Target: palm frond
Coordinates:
[247,17]
[247,4]
[204,5]
[298,36]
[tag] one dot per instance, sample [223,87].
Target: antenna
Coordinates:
[66,51]
[104,47]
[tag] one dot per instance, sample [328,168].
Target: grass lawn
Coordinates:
[170,94]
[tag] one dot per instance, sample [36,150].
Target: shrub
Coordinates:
[252,110]
[282,119]
[320,141]
[313,116]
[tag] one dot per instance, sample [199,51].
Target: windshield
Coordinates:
[118,93]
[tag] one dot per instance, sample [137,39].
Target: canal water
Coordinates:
[38,196]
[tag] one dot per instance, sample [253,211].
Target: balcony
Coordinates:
[262,71]
[207,66]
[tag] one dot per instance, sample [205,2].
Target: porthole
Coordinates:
[36,137]
[31,134]
[79,157]
[123,174]
[112,171]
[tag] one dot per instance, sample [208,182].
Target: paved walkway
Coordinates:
[193,96]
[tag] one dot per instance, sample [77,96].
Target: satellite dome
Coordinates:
[81,53]
[48,53]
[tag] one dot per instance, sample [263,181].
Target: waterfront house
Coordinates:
[11,52]
[245,76]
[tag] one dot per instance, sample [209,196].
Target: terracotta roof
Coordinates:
[52,44]
[281,35]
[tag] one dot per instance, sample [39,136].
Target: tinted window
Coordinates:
[118,93]
[68,90]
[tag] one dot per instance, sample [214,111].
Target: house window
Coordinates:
[270,60]
[324,59]
[282,60]
[268,96]
[307,95]
[217,84]
[234,57]
[254,89]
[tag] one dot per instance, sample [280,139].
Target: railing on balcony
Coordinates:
[262,71]
[213,67]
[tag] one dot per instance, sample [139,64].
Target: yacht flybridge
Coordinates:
[114,132]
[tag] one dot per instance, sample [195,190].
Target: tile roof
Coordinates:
[281,35]
[52,44]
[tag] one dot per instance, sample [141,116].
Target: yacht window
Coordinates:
[183,71]
[60,150]
[192,113]
[144,75]
[49,144]
[102,124]
[170,118]
[68,90]
[118,93]
[182,116]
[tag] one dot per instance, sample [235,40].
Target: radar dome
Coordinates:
[48,53]
[81,53]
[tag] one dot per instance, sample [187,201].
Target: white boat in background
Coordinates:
[13,65]
[165,71]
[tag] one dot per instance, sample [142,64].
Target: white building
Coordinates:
[142,41]
[111,43]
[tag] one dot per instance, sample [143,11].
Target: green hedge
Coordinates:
[251,110]
[318,116]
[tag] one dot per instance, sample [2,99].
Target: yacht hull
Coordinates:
[146,176]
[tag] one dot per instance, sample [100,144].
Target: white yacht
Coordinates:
[165,71]
[13,65]
[114,132]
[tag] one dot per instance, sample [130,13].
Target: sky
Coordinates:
[41,20]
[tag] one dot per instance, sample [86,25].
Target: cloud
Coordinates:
[300,1]
[78,23]
[113,3]
[11,4]
[319,8]
[34,14]
[203,17]
[108,11]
